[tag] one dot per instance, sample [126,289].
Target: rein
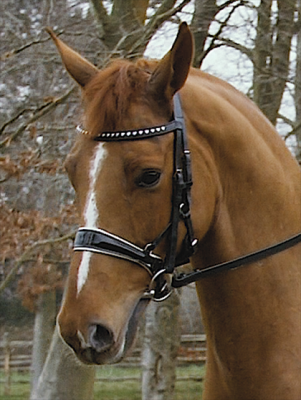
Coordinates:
[103,242]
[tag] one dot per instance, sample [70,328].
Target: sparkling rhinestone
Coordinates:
[140,132]
[163,128]
[153,130]
[158,129]
[146,131]
[128,133]
[134,133]
[122,134]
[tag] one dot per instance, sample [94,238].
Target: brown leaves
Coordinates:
[42,265]
[39,279]
[20,229]
[26,160]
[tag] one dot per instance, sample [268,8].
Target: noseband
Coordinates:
[103,242]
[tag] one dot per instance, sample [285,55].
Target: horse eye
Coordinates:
[148,178]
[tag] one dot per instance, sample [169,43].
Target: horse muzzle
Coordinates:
[101,347]
[98,343]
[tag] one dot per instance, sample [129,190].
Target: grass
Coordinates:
[19,388]
[120,389]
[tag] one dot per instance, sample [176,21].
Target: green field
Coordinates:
[107,389]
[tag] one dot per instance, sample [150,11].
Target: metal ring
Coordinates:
[159,299]
[152,293]
[152,284]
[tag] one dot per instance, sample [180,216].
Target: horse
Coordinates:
[151,129]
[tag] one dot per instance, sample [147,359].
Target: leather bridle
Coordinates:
[103,242]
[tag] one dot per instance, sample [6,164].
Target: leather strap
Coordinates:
[103,242]
[185,279]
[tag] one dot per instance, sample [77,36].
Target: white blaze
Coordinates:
[91,212]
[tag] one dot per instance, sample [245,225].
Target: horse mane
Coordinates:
[107,96]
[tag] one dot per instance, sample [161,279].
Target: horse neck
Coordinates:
[257,182]
[258,204]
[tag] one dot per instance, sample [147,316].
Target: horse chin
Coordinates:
[92,357]
[121,347]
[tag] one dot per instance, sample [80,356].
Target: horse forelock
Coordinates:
[107,96]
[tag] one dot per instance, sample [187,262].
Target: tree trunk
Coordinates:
[63,376]
[271,55]
[159,352]
[298,90]
[43,331]
[203,16]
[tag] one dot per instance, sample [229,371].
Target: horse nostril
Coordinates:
[100,337]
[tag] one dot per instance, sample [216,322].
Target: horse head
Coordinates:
[124,188]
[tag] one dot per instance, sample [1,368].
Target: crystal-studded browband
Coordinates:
[135,133]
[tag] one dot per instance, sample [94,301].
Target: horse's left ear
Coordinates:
[81,70]
[171,73]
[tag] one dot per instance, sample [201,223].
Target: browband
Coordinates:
[133,134]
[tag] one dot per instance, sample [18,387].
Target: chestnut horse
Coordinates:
[246,196]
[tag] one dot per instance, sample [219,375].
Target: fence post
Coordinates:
[7,354]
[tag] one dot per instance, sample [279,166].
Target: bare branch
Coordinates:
[289,122]
[223,24]
[237,46]
[22,48]
[39,112]
[13,119]
[141,41]
[229,2]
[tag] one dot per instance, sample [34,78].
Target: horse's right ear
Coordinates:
[81,70]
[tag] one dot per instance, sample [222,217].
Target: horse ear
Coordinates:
[171,72]
[81,70]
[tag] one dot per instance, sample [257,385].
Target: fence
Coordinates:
[16,355]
